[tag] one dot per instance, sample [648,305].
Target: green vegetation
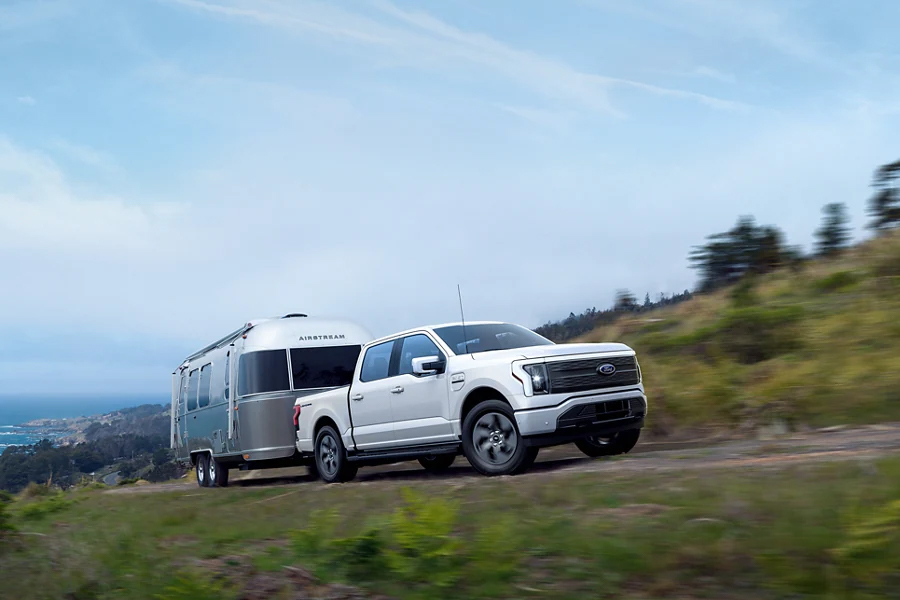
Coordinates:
[824,530]
[66,466]
[812,346]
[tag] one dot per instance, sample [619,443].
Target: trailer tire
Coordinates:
[218,473]
[331,457]
[202,470]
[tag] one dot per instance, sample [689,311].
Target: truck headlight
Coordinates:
[639,374]
[540,384]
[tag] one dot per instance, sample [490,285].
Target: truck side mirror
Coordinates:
[428,365]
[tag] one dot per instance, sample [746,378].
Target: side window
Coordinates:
[227,374]
[263,371]
[205,380]
[377,362]
[193,388]
[416,346]
[182,392]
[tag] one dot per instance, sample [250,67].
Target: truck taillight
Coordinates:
[296,416]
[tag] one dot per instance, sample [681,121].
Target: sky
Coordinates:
[170,169]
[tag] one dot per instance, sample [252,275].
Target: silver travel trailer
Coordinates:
[232,401]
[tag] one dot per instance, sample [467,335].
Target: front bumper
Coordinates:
[582,416]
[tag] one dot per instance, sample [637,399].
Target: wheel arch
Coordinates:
[479,395]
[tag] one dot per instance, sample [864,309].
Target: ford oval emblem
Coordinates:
[606,369]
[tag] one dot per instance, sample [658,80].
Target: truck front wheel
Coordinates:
[618,443]
[331,458]
[491,440]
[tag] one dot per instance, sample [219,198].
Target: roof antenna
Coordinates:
[463,316]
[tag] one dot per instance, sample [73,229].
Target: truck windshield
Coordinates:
[489,337]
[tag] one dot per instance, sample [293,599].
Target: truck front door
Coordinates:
[370,399]
[419,403]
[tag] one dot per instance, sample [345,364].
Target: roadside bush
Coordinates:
[41,508]
[415,544]
[192,585]
[836,282]
[6,526]
[871,552]
[36,490]
[754,334]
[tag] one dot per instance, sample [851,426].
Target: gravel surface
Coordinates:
[831,444]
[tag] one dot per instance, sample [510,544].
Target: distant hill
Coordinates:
[146,420]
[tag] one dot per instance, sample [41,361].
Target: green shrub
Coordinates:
[36,490]
[41,508]
[423,547]
[192,585]
[838,281]
[6,525]
[755,334]
[871,551]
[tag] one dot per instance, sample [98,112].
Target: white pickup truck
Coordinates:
[495,392]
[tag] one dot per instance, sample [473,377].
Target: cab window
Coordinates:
[376,364]
[416,346]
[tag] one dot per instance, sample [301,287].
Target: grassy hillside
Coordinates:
[818,530]
[817,344]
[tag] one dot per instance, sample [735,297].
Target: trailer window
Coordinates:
[323,367]
[263,371]
[193,388]
[227,374]
[205,379]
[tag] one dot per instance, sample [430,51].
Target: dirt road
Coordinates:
[833,444]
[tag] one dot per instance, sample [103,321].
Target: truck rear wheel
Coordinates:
[491,440]
[331,457]
[618,443]
[437,463]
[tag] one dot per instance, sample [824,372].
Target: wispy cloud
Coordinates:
[710,73]
[416,38]
[767,24]
[84,154]
[25,13]
[549,119]
[27,100]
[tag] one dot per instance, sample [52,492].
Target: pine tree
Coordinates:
[884,206]
[834,234]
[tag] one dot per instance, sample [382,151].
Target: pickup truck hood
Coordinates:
[549,351]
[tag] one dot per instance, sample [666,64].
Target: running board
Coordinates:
[405,452]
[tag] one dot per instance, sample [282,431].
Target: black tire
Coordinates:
[618,443]
[202,470]
[218,473]
[437,463]
[499,449]
[331,457]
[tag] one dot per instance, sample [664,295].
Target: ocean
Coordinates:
[19,409]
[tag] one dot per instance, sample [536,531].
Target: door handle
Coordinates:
[356,397]
[397,390]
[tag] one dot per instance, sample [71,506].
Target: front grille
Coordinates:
[570,376]
[600,412]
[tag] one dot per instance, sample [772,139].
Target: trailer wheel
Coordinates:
[202,470]
[218,473]
[331,457]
